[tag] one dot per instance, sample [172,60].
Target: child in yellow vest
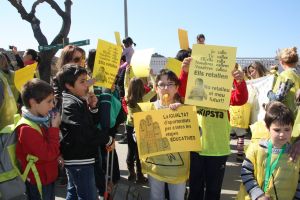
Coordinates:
[172,168]
[267,172]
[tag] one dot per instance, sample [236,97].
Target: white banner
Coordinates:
[258,90]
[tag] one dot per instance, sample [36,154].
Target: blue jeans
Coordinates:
[47,190]
[81,182]
[157,190]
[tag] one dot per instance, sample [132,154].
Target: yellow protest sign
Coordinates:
[174,65]
[118,38]
[210,80]
[167,131]
[183,39]
[146,106]
[240,115]
[106,64]
[140,62]
[259,131]
[23,75]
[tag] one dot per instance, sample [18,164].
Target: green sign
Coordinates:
[60,46]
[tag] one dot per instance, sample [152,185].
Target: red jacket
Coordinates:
[239,95]
[45,146]
[183,76]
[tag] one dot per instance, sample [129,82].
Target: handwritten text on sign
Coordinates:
[167,131]
[210,80]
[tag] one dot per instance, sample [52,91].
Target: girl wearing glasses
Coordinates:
[172,168]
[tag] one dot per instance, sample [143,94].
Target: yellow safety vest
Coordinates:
[215,131]
[10,77]
[9,106]
[295,78]
[286,174]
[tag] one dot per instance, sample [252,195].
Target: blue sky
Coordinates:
[256,27]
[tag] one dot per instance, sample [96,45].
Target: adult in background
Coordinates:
[69,54]
[256,70]
[288,59]
[30,56]
[8,105]
[200,39]
[128,49]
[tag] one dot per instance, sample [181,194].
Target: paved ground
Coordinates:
[230,186]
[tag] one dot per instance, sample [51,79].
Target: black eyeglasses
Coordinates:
[165,86]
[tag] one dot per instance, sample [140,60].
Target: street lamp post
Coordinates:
[126,19]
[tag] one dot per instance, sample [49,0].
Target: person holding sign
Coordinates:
[267,172]
[181,55]
[165,168]
[30,56]
[135,94]
[208,166]
[128,51]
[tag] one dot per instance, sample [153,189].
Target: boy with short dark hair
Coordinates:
[267,172]
[42,141]
[81,137]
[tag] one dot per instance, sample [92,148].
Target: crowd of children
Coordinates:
[68,127]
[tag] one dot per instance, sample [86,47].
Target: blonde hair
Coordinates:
[288,55]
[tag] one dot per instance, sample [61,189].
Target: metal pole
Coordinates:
[126,19]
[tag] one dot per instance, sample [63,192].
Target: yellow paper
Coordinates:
[118,38]
[183,39]
[210,80]
[146,106]
[240,115]
[23,75]
[167,131]
[174,65]
[140,62]
[106,64]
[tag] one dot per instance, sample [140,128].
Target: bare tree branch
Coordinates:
[66,25]
[56,7]
[34,5]
[20,8]
[46,56]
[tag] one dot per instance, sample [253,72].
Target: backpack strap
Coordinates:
[33,125]
[31,165]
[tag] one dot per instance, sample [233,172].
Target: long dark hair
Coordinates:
[136,92]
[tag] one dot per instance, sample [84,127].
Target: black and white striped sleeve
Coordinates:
[297,194]
[249,180]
